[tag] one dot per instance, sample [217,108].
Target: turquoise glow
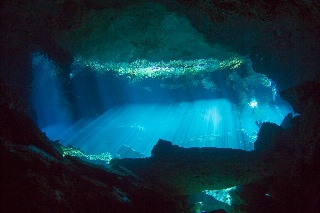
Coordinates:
[203,123]
[47,98]
[117,117]
[222,195]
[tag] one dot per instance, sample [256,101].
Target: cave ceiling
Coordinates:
[281,39]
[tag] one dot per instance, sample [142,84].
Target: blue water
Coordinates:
[215,122]
[203,123]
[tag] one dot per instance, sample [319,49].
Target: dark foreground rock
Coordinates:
[36,178]
[186,171]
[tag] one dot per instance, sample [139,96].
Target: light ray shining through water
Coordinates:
[47,98]
[203,123]
[136,128]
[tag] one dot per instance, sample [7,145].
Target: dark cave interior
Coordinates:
[160,106]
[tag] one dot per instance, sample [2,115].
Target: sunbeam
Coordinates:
[47,98]
[203,123]
[126,114]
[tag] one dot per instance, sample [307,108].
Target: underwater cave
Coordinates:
[160,106]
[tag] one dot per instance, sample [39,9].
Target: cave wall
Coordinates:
[281,38]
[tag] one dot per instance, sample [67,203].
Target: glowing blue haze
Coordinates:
[47,98]
[201,123]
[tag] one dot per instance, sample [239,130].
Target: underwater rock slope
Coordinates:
[36,178]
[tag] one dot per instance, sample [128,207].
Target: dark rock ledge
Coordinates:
[186,171]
